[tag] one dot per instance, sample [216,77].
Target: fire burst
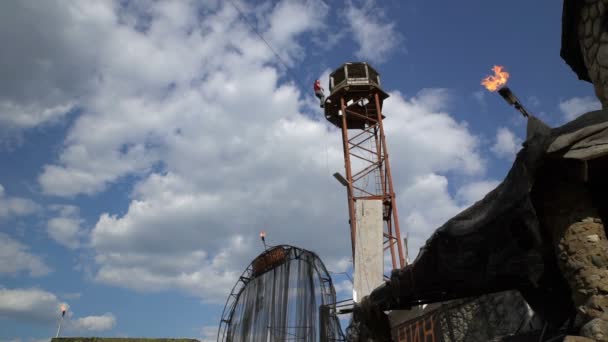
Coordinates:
[496,81]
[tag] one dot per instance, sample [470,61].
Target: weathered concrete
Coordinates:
[368,249]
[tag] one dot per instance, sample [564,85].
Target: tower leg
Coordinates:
[393,202]
[349,178]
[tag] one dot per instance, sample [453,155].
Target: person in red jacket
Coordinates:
[319,92]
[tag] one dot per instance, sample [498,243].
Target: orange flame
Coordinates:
[262,234]
[63,308]
[496,81]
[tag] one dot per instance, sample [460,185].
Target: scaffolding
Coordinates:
[354,105]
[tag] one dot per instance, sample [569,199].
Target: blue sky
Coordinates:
[143,145]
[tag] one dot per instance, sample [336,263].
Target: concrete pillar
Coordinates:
[369,263]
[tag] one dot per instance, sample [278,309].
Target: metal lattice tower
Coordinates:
[355,106]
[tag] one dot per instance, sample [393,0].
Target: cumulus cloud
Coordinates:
[475,191]
[576,106]
[209,333]
[15,258]
[39,81]
[376,36]
[15,206]
[37,306]
[424,138]
[72,295]
[192,271]
[426,204]
[66,228]
[103,322]
[344,289]
[202,253]
[507,144]
[218,147]
[290,18]
[31,305]
[143,100]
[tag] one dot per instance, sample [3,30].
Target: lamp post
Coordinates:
[63,310]
[263,237]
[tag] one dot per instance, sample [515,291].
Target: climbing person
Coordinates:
[319,92]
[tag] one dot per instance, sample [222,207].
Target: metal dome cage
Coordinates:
[285,294]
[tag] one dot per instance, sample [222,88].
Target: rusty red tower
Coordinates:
[355,106]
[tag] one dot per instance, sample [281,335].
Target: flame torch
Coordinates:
[263,237]
[63,310]
[497,82]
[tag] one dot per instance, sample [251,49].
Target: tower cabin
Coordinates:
[352,89]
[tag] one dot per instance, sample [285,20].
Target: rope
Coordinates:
[255,30]
[294,77]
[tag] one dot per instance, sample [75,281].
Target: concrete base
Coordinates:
[369,254]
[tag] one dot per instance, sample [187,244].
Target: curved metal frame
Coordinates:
[328,291]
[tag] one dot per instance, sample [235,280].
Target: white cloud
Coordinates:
[344,289]
[209,333]
[72,295]
[65,231]
[576,106]
[39,81]
[423,138]
[16,116]
[136,98]
[376,36]
[427,205]
[104,322]
[220,148]
[475,191]
[36,306]
[31,305]
[16,258]
[507,144]
[15,206]
[66,228]
[181,215]
[289,19]
[338,265]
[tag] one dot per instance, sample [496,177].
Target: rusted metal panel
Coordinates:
[426,328]
[269,260]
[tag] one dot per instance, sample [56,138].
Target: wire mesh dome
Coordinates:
[285,294]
